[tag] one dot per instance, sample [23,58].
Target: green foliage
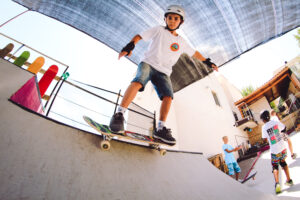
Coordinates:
[247,90]
[298,37]
[274,107]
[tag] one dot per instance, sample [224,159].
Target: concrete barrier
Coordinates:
[42,159]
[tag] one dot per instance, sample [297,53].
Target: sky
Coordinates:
[92,62]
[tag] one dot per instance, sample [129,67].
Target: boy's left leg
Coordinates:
[283,164]
[165,108]
[163,86]
[162,132]
[237,170]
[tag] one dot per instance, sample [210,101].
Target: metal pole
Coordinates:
[119,94]
[55,94]
[56,85]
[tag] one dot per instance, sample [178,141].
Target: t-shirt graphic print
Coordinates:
[272,131]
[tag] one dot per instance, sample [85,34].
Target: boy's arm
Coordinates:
[199,56]
[235,149]
[127,50]
[264,137]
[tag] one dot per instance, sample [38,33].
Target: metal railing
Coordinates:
[68,100]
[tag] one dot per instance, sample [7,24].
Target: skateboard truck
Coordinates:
[105,143]
[162,152]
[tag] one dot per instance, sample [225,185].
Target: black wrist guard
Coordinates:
[208,62]
[129,47]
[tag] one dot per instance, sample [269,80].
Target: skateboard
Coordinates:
[36,65]
[248,176]
[47,79]
[22,59]
[6,50]
[108,135]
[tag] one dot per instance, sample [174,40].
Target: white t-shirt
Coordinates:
[272,131]
[229,157]
[164,49]
[274,118]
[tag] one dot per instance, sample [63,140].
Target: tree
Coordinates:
[247,90]
[298,37]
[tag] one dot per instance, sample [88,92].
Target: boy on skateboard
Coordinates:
[230,161]
[164,51]
[286,138]
[271,132]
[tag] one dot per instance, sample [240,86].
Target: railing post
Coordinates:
[119,94]
[56,94]
[56,85]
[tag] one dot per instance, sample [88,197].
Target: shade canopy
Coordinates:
[219,29]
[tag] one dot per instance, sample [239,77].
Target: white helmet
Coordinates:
[175,9]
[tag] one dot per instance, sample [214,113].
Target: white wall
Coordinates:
[196,121]
[258,106]
[201,123]
[232,93]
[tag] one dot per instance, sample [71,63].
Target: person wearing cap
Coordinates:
[164,50]
[271,132]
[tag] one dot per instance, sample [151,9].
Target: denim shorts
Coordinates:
[233,167]
[161,82]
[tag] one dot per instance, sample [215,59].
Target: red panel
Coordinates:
[47,79]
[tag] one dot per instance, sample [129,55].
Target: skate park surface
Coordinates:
[43,159]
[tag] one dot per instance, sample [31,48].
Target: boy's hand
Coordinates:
[124,53]
[237,148]
[127,50]
[215,67]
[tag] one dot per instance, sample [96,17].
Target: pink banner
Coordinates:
[28,96]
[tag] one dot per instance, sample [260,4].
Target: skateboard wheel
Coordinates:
[105,145]
[163,152]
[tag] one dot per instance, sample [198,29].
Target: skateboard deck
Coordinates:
[47,79]
[36,65]
[105,131]
[22,59]
[248,176]
[6,50]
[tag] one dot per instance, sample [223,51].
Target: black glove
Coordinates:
[129,47]
[208,62]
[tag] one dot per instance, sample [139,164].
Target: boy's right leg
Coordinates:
[117,120]
[275,164]
[293,155]
[130,94]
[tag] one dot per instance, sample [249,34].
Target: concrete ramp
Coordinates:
[42,159]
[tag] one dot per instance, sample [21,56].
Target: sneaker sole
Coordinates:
[164,140]
[120,132]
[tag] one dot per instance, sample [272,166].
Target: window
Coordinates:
[235,116]
[216,98]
